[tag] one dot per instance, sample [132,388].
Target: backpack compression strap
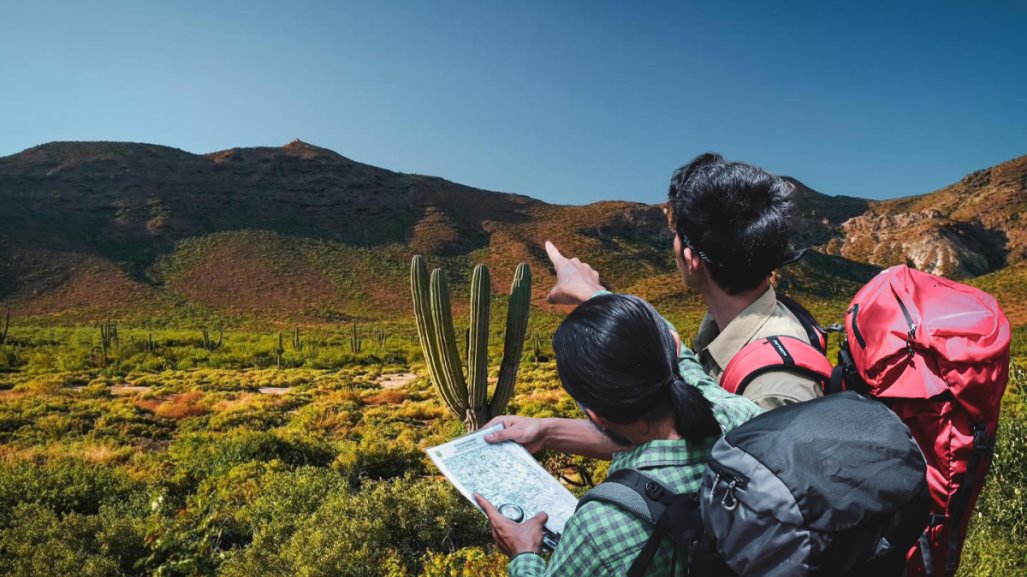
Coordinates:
[782,353]
[675,516]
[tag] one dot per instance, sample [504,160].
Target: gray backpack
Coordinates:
[835,486]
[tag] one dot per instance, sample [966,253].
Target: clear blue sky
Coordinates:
[567,102]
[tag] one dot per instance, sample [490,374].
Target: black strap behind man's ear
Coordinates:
[794,256]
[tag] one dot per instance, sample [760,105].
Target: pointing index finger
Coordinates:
[554,254]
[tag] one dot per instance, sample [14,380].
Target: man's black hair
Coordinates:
[616,356]
[735,216]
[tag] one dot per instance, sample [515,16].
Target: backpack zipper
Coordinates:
[734,480]
[855,326]
[911,335]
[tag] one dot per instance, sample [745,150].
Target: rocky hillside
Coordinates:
[302,233]
[967,229]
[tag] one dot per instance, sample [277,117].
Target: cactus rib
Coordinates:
[442,321]
[478,341]
[419,288]
[513,345]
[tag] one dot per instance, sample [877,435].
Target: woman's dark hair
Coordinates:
[616,356]
[735,216]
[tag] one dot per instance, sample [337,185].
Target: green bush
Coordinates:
[360,534]
[197,456]
[64,486]
[39,541]
[997,537]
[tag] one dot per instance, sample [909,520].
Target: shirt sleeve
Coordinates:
[576,555]
[730,410]
[526,565]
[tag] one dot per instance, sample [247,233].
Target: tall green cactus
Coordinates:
[467,396]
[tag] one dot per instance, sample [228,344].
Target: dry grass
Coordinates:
[176,407]
[387,397]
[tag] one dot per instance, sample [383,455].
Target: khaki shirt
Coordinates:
[765,317]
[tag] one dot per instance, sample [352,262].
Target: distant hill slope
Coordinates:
[302,233]
[970,228]
[296,231]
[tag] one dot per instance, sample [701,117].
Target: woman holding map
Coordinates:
[650,408]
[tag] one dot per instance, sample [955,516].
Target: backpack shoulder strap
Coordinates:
[781,353]
[673,515]
[816,334]
[632,491]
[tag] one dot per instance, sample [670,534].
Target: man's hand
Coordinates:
[525,431]
[513,538]
[576,281]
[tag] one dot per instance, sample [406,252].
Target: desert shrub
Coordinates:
[468,562]
[64,486]
[379,456]
[997,537]
[38,541]
[383,524]
[9,359]
[246,412]
[197,456]
[288,496]
[125,422]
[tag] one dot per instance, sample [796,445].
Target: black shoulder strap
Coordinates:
[817,334]
[632,491]
[673,515]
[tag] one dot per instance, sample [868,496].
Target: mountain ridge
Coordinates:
[302,232]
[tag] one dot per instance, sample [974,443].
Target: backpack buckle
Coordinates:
[982,445]
[654,490]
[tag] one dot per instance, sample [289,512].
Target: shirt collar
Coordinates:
[725,345]
[662,453]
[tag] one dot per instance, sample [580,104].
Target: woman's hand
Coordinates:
[527,432]
[513,538]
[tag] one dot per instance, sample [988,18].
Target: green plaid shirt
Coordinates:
[603,539]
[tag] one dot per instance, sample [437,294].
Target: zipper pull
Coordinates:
[730,494]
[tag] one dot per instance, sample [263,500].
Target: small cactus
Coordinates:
[297,344]
[537,346]
[279,351]
[467,396]
[355,339]
[108,338]
[209,343]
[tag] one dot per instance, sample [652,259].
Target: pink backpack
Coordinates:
[937,353]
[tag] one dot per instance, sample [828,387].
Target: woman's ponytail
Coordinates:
[693,413]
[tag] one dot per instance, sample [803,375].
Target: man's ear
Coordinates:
[692,260]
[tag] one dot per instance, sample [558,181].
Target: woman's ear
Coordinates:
[599,421]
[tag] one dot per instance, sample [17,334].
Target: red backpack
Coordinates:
[937,353]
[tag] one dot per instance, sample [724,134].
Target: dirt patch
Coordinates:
[395,380]
[128,389]
[273,390]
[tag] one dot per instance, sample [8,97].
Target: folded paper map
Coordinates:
[505,474]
